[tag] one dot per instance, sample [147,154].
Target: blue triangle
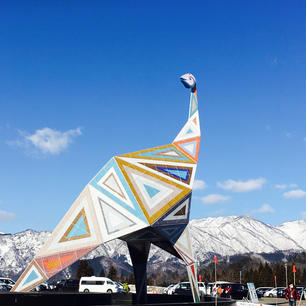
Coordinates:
[179,173]
[189,131]
[33,275]
[136,210]
[151,190]
[193,102]
[78,229]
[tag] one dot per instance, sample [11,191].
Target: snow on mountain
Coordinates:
[296,230]
[237,235]
[225,236]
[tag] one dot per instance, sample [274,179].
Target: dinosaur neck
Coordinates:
[193,104]
[191,129]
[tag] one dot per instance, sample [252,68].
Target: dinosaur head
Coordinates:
[188,80]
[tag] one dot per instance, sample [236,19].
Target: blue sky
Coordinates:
[83,81]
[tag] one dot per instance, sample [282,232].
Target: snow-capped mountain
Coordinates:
[224,236]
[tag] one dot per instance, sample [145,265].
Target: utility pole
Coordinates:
[240,276]
[286,271]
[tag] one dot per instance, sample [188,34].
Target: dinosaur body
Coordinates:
[141,197]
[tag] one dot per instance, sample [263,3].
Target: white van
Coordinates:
[97,284]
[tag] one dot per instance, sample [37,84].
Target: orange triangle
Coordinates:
[55,263]
[180,145]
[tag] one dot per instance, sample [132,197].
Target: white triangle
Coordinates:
[184,244]
[183,135]
[189,148]
[111,182]
[172,153]
[115,220]
[155,200]
[172,216]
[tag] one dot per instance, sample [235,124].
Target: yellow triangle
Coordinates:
[164,153]
[178,193]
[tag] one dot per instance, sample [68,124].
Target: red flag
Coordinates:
[275,277]
[293,269]
[200,278]
[215,259]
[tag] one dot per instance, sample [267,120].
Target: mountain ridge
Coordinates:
[223,236]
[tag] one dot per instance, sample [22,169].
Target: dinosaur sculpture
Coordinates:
[142,197]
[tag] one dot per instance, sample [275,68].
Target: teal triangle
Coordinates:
[151,190]
[181,173]
[189,131]
[78,229]
[32,276]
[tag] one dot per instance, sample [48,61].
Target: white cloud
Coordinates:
[284,186]
[242,186]
[295,194]
[6,216]
[281,186]
[264,209]
[199,185]
[47,141]
[303,214]
[214,199]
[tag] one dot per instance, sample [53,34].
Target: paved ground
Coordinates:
[272,301]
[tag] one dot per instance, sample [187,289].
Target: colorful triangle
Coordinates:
[114,220]
[193,106]
[190,147]
[153,207]
[166,153]
[178,214]
[151,190]
[111,182]
[78,229]
[180,173]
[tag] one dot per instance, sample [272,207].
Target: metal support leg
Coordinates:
[139,252]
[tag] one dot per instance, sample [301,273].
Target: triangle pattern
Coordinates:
[78,229]
[193,106]
[53,264]
[114,220]
[189,130]
[111,182]
[178,214]
[151,190]
[153,207]
[190,147]
[180,173]
[30,278]
[166,153]
[171,232]
[184,243]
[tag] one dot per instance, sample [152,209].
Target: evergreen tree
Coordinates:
[112,273]
[102,273]
[84,269]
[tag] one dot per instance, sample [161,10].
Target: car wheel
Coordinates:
[86,290]
[109,291]
[270,295]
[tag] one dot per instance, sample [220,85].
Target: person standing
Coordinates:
[292,295]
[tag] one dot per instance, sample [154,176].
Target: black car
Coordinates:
[182,289]
[239,291]
[67,285]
